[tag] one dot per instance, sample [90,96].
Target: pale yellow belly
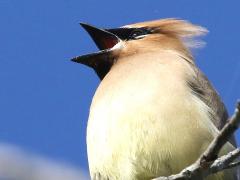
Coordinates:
[146,143]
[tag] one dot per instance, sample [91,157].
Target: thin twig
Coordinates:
[224,135]
[232,165]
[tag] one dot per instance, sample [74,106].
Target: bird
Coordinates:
[154,111]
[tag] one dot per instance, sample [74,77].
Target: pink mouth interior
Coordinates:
[108,43]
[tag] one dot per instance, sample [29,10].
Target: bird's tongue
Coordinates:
[103,38]
[107,43]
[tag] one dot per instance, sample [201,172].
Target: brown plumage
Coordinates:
[154,111]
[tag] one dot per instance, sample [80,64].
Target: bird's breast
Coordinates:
[144,121]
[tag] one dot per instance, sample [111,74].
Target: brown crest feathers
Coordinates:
[178,28]
[173,26]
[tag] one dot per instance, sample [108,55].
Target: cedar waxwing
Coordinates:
[154,112]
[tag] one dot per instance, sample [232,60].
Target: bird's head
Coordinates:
[129,40]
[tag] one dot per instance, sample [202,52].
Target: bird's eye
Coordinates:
[137,34]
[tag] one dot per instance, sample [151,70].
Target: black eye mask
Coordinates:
[129,33]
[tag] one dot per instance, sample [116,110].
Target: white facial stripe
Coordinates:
[140,37]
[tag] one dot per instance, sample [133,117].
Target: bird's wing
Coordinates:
[206,92]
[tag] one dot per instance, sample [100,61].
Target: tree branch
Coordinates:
[208,163]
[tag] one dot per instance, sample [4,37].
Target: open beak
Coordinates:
[105,41]
[103,38]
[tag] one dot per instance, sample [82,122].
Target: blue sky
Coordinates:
[45,98]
